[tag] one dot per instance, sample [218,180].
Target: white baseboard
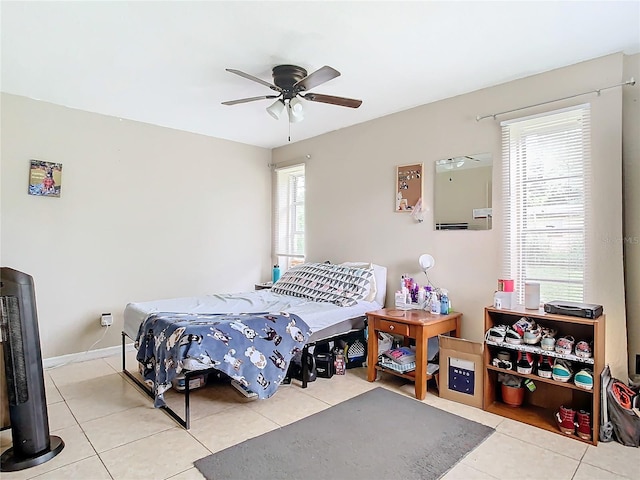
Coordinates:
[83,356]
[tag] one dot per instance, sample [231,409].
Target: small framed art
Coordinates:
[408,187]
[45,178]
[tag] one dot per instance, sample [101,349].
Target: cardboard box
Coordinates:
[461,371]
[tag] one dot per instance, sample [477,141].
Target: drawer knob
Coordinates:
[391,327]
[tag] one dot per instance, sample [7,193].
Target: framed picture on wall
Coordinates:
[45,178]
[408,186]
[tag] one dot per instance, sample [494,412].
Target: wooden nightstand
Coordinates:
[417,324]
[263,286]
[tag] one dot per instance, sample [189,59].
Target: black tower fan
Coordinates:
[32,444]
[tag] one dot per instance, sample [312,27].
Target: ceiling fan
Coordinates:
[290,81]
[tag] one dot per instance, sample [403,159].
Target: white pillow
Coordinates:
[323,282]
[370,293]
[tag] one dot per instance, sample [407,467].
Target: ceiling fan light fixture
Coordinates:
[295,110]
[276,109]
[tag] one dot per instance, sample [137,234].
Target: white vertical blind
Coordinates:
[546,199]
[289,216]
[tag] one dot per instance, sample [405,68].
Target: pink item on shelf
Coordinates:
[505,285]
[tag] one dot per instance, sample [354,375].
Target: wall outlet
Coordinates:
[106,320]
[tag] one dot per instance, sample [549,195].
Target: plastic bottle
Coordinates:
[276,273]
[421,297]
[427,298]
[435,303]
[444,303]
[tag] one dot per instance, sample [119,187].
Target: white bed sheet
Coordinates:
[318,315]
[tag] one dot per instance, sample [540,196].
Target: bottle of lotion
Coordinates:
[435,303]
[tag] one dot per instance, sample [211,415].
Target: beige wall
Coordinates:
[631,189]
[350,191]
[146,212]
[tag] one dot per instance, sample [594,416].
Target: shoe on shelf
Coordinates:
[545,366]
[561,370]
[584,424]
[584,379]
[523,324]
[503,360]
[496,333]
[566,420]
[548,344]
[525,362]
[564,345]
[583,349]
[533,335]
[548,332]
[513,337]
[548,341]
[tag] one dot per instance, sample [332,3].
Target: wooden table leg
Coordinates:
[457,330]
[372,351]
[421,364]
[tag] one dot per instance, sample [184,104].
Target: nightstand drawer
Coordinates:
[392,327]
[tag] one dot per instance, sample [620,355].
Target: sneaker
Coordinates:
[525,362]
[548,332]
[548,344]
[513,337]
[545,366]
[496,333]
[584,379]
[583,349]
[522,325]
[584,424]
[503,360]
[564,345]
[566,420]
[533,335]
[561,370]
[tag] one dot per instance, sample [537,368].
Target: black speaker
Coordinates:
[32,444]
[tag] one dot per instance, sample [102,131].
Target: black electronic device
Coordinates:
[32,444]
[573,309]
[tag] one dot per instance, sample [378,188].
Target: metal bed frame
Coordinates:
[185,421]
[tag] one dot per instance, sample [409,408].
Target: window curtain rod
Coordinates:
[302,160]
[631,81]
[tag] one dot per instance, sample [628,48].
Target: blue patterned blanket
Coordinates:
[253,348]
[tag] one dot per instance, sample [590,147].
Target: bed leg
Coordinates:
[124,357]
[187,416]
[305,366]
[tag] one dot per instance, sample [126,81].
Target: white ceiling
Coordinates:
[164,62]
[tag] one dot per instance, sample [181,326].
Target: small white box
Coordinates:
[503,300]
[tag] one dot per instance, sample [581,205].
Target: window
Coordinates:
[546,200]
[289,216]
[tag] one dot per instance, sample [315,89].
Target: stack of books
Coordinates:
[401,359]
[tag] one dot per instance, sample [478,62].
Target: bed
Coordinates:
[321,301]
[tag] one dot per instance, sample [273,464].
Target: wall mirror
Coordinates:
[462,190]
[408,187]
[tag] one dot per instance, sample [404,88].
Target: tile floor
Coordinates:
[109,427]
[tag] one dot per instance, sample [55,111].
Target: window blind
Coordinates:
[289,216]
[546,201]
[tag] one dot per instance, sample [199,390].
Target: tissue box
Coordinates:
[504,300]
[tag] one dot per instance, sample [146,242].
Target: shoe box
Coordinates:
[461,370]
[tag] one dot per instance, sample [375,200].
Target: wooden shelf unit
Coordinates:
[539,407]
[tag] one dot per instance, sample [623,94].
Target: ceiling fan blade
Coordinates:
[342,101]
[320,76]
[255,79]
[251,99]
